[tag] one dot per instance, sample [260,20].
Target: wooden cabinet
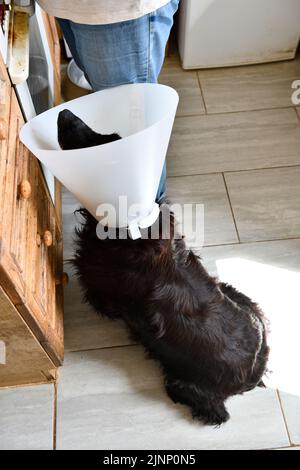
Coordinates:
[31,278]
[13,230]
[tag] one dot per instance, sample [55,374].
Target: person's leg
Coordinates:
[70,39]
[114,54]
[161,22]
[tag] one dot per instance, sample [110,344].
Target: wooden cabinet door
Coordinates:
[5,95]
[30,232]
[44,300]
[30,249]
[14,224]
[55,336]
[38,297]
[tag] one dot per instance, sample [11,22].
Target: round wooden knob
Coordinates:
[25,189]
[63,280]
[3,129]
[47,238]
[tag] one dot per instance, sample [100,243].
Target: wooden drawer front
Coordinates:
[43,276]
[39,255]
[30,233]
[15,209]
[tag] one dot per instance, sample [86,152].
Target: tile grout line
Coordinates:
[202,95]
[195,174]
[104,348]
[222,113]
[231,208]
[54,415]
[281,167]
[252,242]
[284,418]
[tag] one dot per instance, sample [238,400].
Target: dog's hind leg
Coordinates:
[211,412]
[208,409]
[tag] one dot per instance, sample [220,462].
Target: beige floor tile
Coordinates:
[26,418]
[114,399]
[237,141]
[269,273]
[187,85]
[291,408]
[280,254]
[266,203]
[298,112]
[250,87]
[210,191]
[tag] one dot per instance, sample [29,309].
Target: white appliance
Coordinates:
[219,33]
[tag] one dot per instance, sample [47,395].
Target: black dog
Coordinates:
[209,338]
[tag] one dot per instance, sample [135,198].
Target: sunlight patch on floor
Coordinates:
[277,292]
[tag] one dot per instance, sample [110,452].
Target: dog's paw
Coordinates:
[214,415]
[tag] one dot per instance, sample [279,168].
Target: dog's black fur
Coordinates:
[209,338]
[78,135]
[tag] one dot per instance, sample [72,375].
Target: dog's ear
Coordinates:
[73,133]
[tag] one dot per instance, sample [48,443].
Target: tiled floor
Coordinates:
[236,149]
[248,88]
[27,418]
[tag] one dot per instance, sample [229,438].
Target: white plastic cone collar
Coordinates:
[143,114]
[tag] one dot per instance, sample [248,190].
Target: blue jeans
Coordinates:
[120,53]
